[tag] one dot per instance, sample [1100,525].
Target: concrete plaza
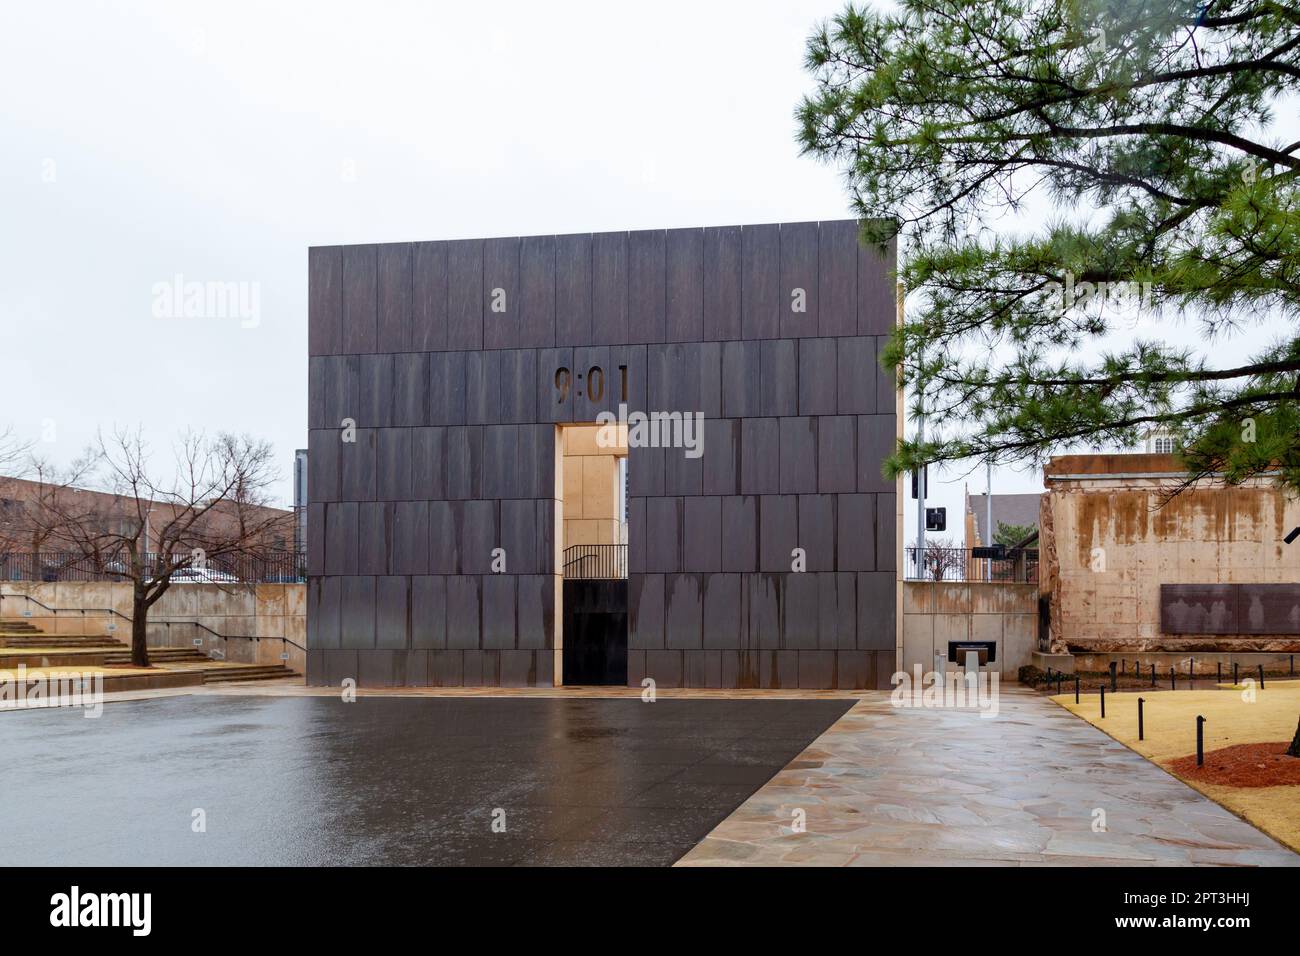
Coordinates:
[592,776]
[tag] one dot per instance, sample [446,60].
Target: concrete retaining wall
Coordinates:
[935,613]
[260,611]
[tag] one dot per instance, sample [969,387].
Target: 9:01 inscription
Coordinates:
[595,384]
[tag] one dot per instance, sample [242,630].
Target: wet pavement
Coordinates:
[315,781]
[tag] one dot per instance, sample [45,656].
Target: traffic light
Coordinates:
[924,482]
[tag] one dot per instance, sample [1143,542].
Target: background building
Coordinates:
[1010,510]
[300,472]
[38,543]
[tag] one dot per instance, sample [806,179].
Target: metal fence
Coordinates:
[276,567]
[999,565]
[595,561]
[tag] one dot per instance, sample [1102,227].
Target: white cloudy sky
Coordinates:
[213,140]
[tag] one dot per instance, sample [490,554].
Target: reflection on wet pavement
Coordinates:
[315,781]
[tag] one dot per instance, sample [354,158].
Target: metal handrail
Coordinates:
[595,561]
[234,637]
[114,611]
[65,610]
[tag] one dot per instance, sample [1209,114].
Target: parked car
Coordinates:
[202,576]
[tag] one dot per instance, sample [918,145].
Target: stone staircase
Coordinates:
[213,673]
[17,635]
[243,673]
[20,634]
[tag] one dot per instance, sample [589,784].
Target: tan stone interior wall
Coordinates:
[935,613]
[586,504]
[1114,545]
[262,611]
[591,488]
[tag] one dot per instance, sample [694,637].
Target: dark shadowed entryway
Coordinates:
[595,633]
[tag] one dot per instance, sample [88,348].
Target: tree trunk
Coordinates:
[139,621]
[1294,749]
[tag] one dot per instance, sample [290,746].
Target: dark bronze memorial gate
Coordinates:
[440,377]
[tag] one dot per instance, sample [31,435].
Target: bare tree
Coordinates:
[216,505]
[941,559]
[38,516]
[13,453]
[12,449]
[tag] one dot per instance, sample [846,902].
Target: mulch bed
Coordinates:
[1245,765]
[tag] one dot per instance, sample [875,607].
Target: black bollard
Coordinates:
[1113,686]
[1261,676]
[1103,700]
[1200,741]
[1059,676]
[1141,729]
[1218,672]
[1076,688]
[1173,678]
[1153,674]
[1234,673]
[1293,665]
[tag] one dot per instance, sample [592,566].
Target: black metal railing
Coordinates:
[214,636]
[112,613]
[995,565]
[595,561]
[275,567]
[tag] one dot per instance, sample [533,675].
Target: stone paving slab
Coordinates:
[888,786]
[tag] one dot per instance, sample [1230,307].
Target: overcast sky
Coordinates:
[218,141]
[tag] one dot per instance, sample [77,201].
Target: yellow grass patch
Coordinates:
[1170,723]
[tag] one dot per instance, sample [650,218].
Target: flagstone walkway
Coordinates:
[1033,786]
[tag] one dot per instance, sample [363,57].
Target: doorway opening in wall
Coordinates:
[593,565]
